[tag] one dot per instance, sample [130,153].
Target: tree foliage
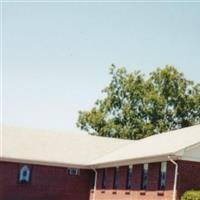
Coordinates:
[135,107]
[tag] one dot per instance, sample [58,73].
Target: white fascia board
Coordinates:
[136,161]
[44,163]
[95,166]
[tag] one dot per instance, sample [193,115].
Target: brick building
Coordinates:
[45,165]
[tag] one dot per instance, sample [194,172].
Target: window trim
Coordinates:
[144,186]
[129,177]
[77,171]
[21,166]
[160,177]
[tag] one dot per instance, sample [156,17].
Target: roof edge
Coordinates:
[149,159]
[44,163]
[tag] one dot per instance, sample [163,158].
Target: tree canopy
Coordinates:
[135,107]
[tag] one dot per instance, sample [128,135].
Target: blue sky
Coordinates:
[56,57]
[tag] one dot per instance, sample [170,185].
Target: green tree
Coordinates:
[135,107]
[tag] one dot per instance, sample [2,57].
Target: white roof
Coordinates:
[86,151]
[171,143]
[55,148]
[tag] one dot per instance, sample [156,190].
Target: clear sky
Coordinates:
[56,56]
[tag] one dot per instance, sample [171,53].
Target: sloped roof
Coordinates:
[86,151]
[55,148]
[170,143]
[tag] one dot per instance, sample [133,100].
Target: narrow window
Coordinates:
[103,179]
[162,177]
[24,174]
[92,179]
[144,181]
[74,172]
[129,177]
[115,180]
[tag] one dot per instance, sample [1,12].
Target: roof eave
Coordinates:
[149,159]
[45,163]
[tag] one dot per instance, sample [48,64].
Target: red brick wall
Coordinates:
[122,176]
[47,183]
[151,193]
[189,176]
[109,178]
[53,183]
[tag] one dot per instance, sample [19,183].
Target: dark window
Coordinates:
[144,181]
[115,181]
[162,177]
[92,179]
[25,174]
[129,177]
[103,179]
[74,171]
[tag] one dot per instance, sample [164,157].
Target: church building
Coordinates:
[46,165]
